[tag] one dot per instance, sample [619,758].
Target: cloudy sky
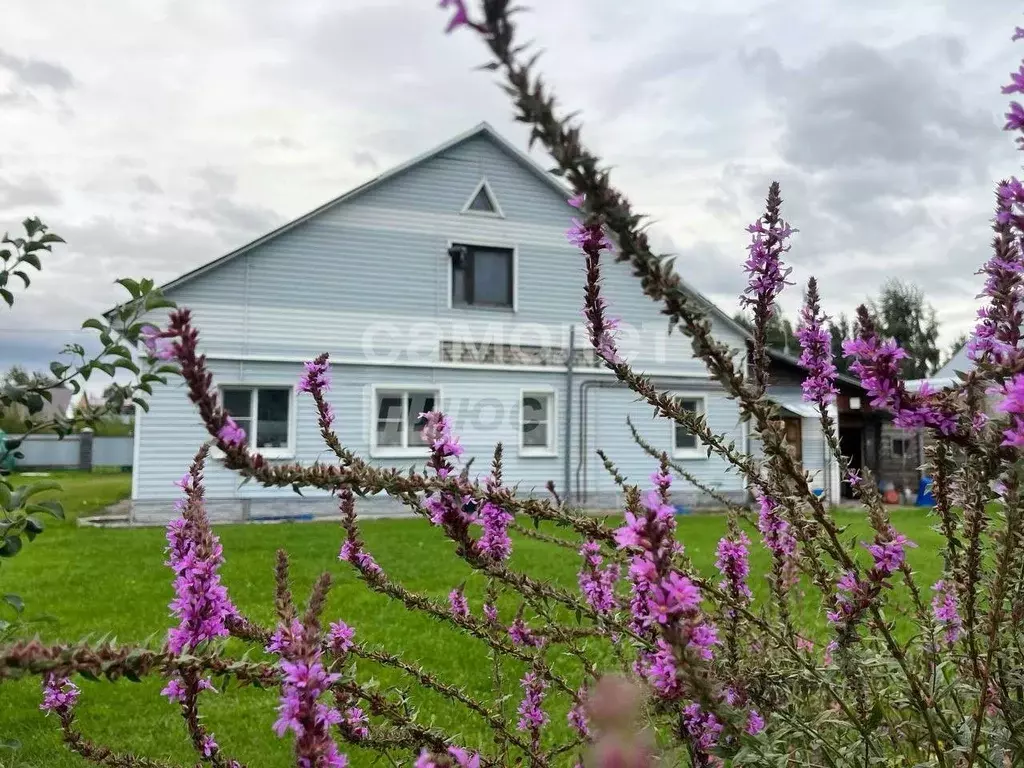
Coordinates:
[156,136]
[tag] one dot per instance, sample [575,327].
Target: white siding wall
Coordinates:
[368,281]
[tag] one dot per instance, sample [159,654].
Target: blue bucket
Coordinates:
[924,494]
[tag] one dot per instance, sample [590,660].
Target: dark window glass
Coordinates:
[482,277]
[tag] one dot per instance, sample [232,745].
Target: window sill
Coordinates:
[692,455]
[399,453]
[537,453]
[272,454]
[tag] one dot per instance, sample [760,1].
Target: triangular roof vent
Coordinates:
[483,201]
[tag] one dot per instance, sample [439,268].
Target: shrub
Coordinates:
[694,670]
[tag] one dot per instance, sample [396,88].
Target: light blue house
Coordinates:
[445,282]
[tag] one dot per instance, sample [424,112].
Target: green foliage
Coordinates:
[781,335]
[24,395]
[900,312]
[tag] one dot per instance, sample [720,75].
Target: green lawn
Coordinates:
[113,581]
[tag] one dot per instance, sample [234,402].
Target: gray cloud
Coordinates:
[37,72]
[363,159]
[26,194]
[880,120]
[147,184]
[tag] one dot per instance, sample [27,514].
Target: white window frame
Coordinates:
[405,451]
[286,452]
[484,244]
[497,213]
[551,449]
[698,451]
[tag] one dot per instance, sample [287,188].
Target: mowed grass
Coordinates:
[114,582]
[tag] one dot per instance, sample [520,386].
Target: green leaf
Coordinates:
[32,225]
[129,285]
[142,404]
[49,507]
[49,237]
[11,546]
[12,744]
[14,601]
[92,322]
[33,260]
[7,296]
[24,277]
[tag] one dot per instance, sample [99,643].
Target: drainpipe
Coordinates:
[581,465]
[567,469]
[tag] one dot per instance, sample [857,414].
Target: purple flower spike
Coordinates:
[816,342]
[946,609]
[316,377]
[531,713]
[59,695]
[457,603]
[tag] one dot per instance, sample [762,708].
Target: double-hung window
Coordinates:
[482,276]
[397,425]
[266,415]
[685,444]
[537,424]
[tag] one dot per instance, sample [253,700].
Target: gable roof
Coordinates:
[794,362]
[481,129]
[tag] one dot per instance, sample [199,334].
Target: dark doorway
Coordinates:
[851,444]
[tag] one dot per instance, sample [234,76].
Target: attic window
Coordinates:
[482,201]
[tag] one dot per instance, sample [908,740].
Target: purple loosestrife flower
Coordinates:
[946,609]
[703,728]
[816,355]
[316,377]
[774,529]
[577,717]
[59,695]
[660,670]
[889,554]
[195,555]
[1016,84]
[304,681]
[521,634]
[877,364]
[1013,404]
[231,433]
[460,17]
[209,746]
[425,760]
[357,722]
[596,583]
[734,564]
[490,613]
[158,343]
[352,552]
[457,603]
[494,540]
[340,637]
[755,723]
[175,690]
[531,713]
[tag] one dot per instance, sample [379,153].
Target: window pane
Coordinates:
[419,402]
[482,202]
[535,435]
[492,277]
[238,402]
[459,297]
[389,420]
[535,407]
[684,438]
[272,418]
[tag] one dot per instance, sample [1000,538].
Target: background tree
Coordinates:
[842,328]
[19,377]
[901,313]
[780,333]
